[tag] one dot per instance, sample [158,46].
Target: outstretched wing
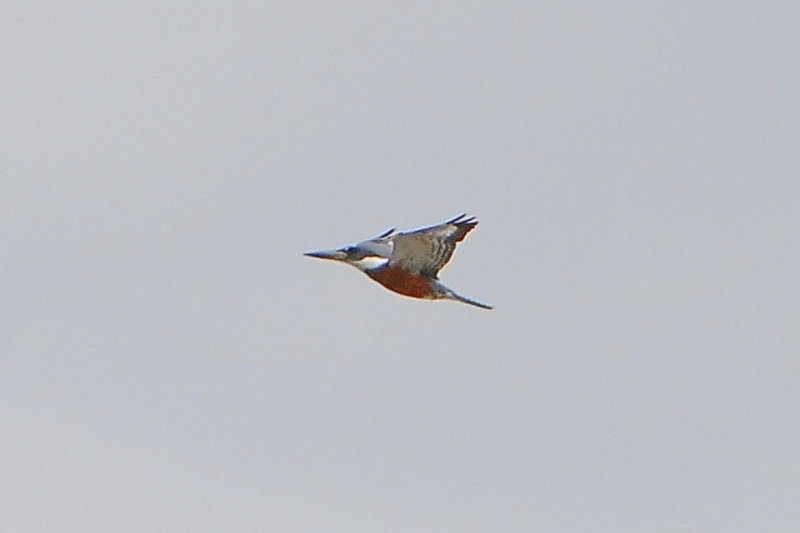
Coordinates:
[426,251]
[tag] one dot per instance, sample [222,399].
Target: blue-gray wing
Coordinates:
[425,251]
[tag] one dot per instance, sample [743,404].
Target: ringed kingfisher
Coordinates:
[408,262]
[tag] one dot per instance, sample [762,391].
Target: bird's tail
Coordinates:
[452,295]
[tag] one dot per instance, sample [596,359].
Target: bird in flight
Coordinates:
[409,262]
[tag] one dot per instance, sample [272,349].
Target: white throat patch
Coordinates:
[369,262]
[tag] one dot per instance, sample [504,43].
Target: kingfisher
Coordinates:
[409,262]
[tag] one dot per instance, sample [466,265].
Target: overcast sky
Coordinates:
[171,362]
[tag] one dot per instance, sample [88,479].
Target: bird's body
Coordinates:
[402,281]
[408,263]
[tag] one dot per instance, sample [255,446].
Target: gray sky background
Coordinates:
[171,362]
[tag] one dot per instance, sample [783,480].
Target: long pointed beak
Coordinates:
[336,255]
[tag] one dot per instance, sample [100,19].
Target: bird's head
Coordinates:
[364,256]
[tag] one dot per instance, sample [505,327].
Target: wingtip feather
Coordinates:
[457,219]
